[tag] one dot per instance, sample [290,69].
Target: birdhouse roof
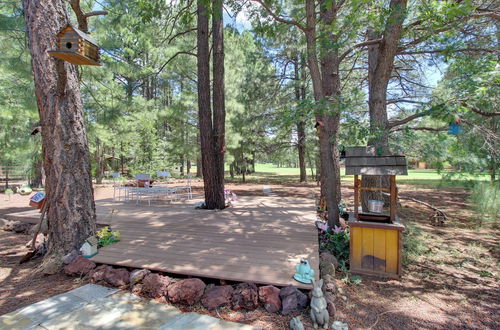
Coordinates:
[79,32]
[92,240]
[367,161]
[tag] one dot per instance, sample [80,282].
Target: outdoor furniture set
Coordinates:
[144,189]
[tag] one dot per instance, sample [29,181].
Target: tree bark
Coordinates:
[380,65]
[70,198]
[211,129]
[326,87]
[301,131]
[219,106]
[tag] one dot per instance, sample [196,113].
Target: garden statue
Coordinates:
[25,189]
[303,272]
[8,193]
[296,324]
[319,313]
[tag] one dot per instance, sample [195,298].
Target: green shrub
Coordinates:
[485,200]
[337,242]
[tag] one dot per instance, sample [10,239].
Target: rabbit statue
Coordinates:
[296,324]
[319,313]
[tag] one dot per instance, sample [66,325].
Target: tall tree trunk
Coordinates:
[70,198]
[301,131]
[326,87]
[188,166]
[181,161]
[219,104]
[211,133]
[380,65]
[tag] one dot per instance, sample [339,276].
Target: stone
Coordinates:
[326,268]
[138,275]
[136,288]
[326,256]
[17,226]
[188,291]
[330,284]
[344,298]
[79,267]
[296,324]
[70,257]
[155,285]
[337,325]
[117,276]
[217,296]
[270,296]
[245,296]
[292,300]
[330,304]
[97,274]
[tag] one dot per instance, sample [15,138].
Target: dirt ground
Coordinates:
[450,276]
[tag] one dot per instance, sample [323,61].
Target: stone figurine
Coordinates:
[319,312]
[303,272]
[296,324]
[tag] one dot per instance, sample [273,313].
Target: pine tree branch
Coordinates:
[479,111]
[403,121]
[279,18]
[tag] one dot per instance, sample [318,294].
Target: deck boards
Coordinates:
[260,239]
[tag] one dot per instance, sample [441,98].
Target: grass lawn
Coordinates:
[271,173]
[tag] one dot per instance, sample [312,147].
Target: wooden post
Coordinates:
[394,198]
[356,197]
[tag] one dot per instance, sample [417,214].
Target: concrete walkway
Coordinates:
[98,307]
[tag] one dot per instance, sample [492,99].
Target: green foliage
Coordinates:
[337,242]
[485,200]
[106,236]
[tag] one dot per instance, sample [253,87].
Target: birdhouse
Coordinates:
[454,129]
[89,247]
[37,200]
[76,47]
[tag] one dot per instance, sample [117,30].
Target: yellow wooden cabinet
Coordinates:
[376,248]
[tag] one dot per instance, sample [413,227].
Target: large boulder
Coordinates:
[270,296]
[155,285]
[79,267]
[187,291]
[117,276]
[245,296]
[138,275]
[98,274]
[326,256]
[292,300]
[217,296]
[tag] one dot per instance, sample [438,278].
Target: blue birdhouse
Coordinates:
[454,129]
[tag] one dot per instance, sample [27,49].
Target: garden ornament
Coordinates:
[319,313]
[303,272]
[296,324]
[89,247]
[25,189]
[8,192]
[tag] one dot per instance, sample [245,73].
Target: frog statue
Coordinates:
[303,272]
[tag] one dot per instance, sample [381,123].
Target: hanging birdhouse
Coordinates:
[76,47]
[454,129]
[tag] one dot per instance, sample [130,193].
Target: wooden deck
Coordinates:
[259,240]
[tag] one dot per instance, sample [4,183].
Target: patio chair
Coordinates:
[165,175]
[118,186]
[186,188]
[142,178]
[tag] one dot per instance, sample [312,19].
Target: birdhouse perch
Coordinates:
[76,47]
